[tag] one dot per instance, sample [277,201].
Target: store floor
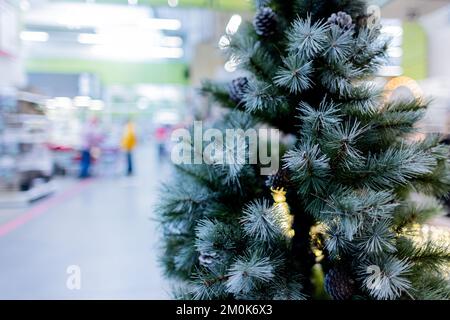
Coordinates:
[102,230]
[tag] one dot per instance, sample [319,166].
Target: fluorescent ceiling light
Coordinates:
[80,15]
[63,102]
[81,101]
[34,36]
[172,42]
[94,15]
[89,38]
[233,24]
[133,2]
[163,24]
[97,105]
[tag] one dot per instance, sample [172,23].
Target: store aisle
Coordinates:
[103,226]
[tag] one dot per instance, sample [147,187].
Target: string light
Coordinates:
[406,82]
[286,219]
[423,234]
[233,24]
[315,233]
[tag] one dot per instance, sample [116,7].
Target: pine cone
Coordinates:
[279,180]
[237,89]
[339,285]
[207,258]
[265,22]
[342,19]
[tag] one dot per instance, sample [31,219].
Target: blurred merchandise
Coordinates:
[26,163]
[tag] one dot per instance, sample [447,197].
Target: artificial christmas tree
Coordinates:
[352,187]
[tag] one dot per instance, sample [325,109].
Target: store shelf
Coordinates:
[30,97]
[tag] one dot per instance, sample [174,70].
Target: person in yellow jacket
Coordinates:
[129,142]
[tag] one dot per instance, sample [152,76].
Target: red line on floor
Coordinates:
[42,207]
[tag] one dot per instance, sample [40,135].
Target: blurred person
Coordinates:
[129,142]
[161,135]
[90,138]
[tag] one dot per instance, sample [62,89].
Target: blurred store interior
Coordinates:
[77,72]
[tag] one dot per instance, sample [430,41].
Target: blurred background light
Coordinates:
[81,101]
[36,36]
[63,102]
[97,105]
[163,24]
[172,3]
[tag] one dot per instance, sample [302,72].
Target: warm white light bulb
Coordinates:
[233,24]
[230,66]
[224,42]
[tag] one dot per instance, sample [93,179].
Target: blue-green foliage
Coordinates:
[353,169]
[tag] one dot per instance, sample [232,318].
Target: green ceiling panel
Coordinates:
[111,72]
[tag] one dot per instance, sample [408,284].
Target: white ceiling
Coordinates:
[117,32]
[404,8]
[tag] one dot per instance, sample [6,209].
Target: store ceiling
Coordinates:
[124,30]
[113,32]
[234,5]
[405,9]
[228,5]
[391,8]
